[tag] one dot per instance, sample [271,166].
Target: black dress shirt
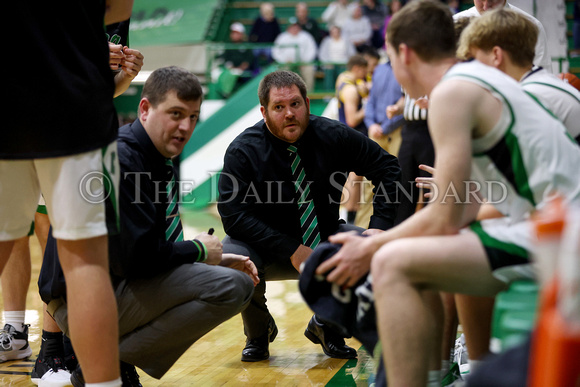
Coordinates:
[142,250]
[257,199]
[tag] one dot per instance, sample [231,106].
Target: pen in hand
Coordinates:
[210,231]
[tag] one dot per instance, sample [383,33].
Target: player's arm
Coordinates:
[117,11]
[354,116]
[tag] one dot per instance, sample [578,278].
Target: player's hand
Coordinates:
[352,261]
[376,131]
[241,263]
[426,183]
[116,56]
[213,246]
[372,231]
[132,62]
[393,110]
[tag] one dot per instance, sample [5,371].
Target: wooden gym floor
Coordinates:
[215,359]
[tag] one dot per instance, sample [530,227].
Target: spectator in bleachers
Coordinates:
[357,29]
[265,30]
[295,46]
[308,23]
[238,61]
[334,52]
[337,13]
[394,7]
[334,48]
[376,11]
[453,6]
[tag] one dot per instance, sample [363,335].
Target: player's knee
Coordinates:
[389,263]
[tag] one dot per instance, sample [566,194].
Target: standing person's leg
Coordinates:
[16,277]
[401,270]
[92,312]
[50,366]
[19,191]
[41,226]
[81,199]
[15,282]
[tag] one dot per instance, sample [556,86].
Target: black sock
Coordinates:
[51,345]
[350,217]
[70,360]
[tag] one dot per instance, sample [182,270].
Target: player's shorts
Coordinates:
[508,246]
[41,208]
[81,194]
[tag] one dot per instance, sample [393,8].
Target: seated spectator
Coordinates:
[334,52]
[337,13]
[237,63]
[357,29]
[334,48]
[295,46]
[376,11]
[394,7]
[308,23]
[265,30]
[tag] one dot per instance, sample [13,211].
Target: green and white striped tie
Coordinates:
[308,219]
[173,230]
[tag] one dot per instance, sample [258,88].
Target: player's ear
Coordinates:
[498,57]
[404,53]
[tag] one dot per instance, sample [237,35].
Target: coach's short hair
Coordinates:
[279,79]
[171,78]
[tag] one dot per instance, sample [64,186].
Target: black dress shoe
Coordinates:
[332,344]
[257,349]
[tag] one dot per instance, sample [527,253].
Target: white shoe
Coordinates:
[14,344]
[50,372]
[461,356]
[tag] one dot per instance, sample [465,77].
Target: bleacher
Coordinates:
[246,12]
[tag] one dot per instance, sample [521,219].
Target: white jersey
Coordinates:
[557,96]
[527,155]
